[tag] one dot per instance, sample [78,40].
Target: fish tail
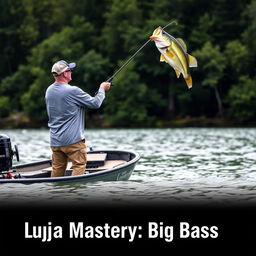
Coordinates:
[188,80]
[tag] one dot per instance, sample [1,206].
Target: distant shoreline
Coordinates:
[22,122]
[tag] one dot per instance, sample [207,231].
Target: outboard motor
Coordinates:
[6,154]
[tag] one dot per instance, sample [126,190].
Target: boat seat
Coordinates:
[108,165]
[95,160]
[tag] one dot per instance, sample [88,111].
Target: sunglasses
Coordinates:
[69,70]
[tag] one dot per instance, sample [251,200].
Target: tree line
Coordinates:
[101,35]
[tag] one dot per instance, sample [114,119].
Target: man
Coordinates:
[65,107]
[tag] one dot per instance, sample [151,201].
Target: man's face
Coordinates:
[68,75]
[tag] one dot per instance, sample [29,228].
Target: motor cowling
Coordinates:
[7,153]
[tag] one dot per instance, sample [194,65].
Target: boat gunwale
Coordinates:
[70,178]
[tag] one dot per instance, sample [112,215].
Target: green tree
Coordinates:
[212,64]
[237,62]
[68,44]
[33,100]
[122,17]
[228,20]
[237,56]
[92,69]
[39,20]
[4,106]
[242,100]
[126,103]
[11,52]
[35,34]
[203,31]
[15,85]
[249,35]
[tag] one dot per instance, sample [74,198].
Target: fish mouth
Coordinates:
[153,37]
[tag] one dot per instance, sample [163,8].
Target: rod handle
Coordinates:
[110,81]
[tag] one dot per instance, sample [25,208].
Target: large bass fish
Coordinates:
[174,52]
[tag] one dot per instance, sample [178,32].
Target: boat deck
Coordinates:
[95,162]
[107,165]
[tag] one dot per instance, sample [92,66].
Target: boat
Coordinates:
[102,165]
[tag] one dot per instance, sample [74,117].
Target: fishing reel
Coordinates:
[6,154]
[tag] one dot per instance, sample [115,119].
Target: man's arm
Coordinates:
[84,99]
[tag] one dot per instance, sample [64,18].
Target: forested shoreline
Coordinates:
[101,35]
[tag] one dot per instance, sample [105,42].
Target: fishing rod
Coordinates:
[132,57]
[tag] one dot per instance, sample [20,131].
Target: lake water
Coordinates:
[177,165]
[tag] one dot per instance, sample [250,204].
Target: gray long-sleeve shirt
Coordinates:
[65,107]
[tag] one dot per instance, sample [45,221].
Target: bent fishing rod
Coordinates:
[132,57]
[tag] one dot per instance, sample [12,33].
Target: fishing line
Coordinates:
[132,57]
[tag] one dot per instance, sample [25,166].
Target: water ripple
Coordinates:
[176,165]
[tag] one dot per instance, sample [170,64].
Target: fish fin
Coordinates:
[162,58]
[170,55]
[177,73]
[192,61]
[189,81]
[182,43]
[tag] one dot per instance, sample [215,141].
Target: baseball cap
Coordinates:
[61,66]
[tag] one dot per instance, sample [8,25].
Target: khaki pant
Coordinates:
[75,152]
